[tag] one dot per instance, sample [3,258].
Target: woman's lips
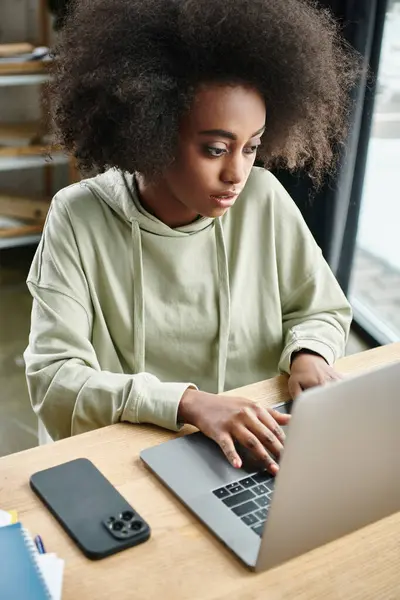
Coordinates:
[224,200]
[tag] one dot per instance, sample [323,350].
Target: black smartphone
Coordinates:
[93,513]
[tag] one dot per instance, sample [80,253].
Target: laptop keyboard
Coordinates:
[249,498]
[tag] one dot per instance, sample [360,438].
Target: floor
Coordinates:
[377,284]
[18,424]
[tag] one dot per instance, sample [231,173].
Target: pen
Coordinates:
[39,545]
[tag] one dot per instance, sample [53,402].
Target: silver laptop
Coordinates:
[340,470]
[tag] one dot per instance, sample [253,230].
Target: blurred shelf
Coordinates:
[23,230]
[30,208]
[20,131]
[25,145]
[19,241]
[24,68]
[11,80]
[32,162]
[23,151]
[14,232]
[15,49]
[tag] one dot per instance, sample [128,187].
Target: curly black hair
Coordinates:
[126,71]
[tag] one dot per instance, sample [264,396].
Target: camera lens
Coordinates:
[136,525]
[118,525]
[127,515]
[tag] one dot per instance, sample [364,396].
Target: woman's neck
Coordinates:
[158,200]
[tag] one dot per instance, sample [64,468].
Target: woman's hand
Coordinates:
[227,419]
[309,370]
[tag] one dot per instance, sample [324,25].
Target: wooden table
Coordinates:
[182,559]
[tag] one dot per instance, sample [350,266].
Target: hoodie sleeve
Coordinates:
[315,312]
[69,391]
[317,317]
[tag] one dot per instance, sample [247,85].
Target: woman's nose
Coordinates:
[234,171]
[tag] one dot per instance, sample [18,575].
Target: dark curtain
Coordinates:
[332,213]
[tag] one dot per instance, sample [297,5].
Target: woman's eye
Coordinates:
[251,149]
[215,152]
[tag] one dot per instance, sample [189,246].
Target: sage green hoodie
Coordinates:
[127,312]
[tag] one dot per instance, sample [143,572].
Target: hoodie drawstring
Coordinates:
[224,303]
[138,301]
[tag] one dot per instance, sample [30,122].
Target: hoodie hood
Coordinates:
[119,191]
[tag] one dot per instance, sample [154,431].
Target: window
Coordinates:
[375,285]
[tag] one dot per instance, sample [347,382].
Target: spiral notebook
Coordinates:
[24,574]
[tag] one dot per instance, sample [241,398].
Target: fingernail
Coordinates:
[274,467]
[237,464]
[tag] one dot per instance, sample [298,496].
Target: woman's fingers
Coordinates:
[273,419]
[266,430]
[254,427]
[336,376]
[295,388]
[250,441]
[280,418]
[227,446]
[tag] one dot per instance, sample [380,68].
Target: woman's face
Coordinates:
[217,148]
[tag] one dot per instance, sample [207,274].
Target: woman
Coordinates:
[181,270]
